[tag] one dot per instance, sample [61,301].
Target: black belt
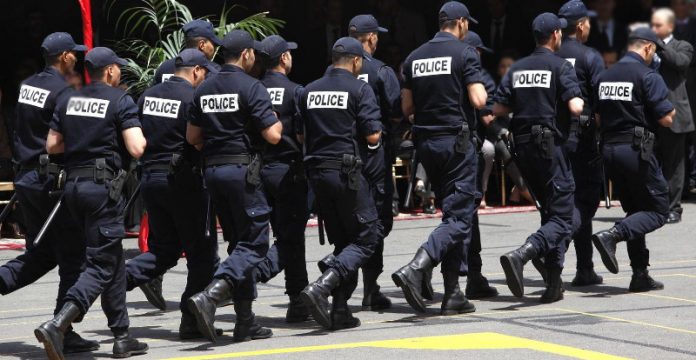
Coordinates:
[157,167]
[326,164]
[618,138]
[88,172]
[227,160]
[523,139]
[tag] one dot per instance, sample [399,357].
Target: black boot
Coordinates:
[316,296]
[297,310]
[246,328]
[554,287]
[125,345]
[188,329]
[326,263]
[605,242]
[513,265]
[586,277]
[410,279]
[341,316]
[641,281]
[454,302]
[477,287]
[427,287]
[73,343]
[373,299]
[203,305]
[52,332]
[153,293]
[540,266]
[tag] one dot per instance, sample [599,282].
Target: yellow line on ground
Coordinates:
[666,297]
[634,322]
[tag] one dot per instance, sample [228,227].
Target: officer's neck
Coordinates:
[279,69]
[59,69]
[366,48]
[347,68]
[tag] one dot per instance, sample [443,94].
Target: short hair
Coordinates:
[360,36]
[572,27]
[542,40]
[634,43]
[448,24]
[95,73]
[667,14]
[232,56]
[270,63]
[51,59]
[192,42]
[341,58]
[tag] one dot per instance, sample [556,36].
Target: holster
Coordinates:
[253,175]
[461,144]
[116,185]
[544,139]
[351,166]
[46,167]
[175,164]
[644,140]
[298,171]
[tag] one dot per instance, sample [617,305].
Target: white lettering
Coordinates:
[33,96]
[571,61]
[220,103]
[276,95]
[166,77]
[89,107]
[531,79]
[161,107]
[327,100]
[364,77]
[621,91]
[433,66]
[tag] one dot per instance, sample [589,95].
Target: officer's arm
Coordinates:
[472,76]
[368,119]
[407,106]
[666,120]
[131,129]
[194,136]
[486,114]
[575,105]
[391,94]
[297,117]
[501,109]
[656,93]
[477,95]
[570,90]
[273,133]
[54,142]
[135,141]
[262,114]
[503,97]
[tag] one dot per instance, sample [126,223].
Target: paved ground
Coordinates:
[603,322]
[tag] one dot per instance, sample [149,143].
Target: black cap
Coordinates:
[201,28]
[348,46]
[273,46]
[58,42]
[454,10]
[362,24]
[573,10]
[103,56]
[646,34]
[545,24]
[237,40]
[193,57]
[473,39]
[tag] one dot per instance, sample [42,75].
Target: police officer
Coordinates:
[580,143]
[631,103]
[89,128]
[442,89]
[199,34]
[284,180]
[64,243]
[533,89]
[232,119]
[377,170]
[172,189]
[341,117]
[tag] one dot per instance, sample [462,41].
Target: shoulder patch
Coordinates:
[220,103]
[621,91]
[89,107]
[327,100]
[277,95]
[531,79]
[432,66]
[161,107]
[33,96]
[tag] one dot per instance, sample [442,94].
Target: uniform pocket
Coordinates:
[115,230]
[462,201]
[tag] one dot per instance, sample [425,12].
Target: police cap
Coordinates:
[58,42]
[474,40]
[348,46]
[201,28]
[646,34]
[102,56]
[545,24]
[273,46]
[237,40]
[365,23]
[573,10]
[454,10]
[193,57]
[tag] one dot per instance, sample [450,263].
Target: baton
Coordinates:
[506,141]
[8,207]
[412,179]
[48,221]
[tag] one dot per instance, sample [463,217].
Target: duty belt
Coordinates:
[159,167]
[244,159]
[618,138]
[326,164]
[90,172]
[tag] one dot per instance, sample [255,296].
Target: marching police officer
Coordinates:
[89,129]
[631,102]
[38,97]
[284,180]
[199,34]
[232,120]
[171,187]
[533,89]
[377,170]
[341,117]
[442,89]
[581,144]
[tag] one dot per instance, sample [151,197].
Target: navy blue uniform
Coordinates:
[171,186]
[232,108]
[286,188]
[533,89]
[338,111]
[91,122]
[438,73]
[167,70]
[64,242]
[581,146]
[631,96]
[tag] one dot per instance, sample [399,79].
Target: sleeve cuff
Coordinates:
[570,93]
[130,123]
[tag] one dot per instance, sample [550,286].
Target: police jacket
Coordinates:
[385,85]
[91,121]
[38,98]
[630,94]
[167,69]
[338,111]
[232,108]
[284,97]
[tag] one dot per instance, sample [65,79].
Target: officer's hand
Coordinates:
[487,120]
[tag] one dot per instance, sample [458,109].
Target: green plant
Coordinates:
[152,34]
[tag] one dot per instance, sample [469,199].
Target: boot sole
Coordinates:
[512,279]
[549,301]
[609,262]
[375,307]
[153,298]
[255,337]
[132,353]
[457,312]
[208,331]
[319,316]
[51,351]
[482,295]
[79,350]
[586,283]
[196,335]
[412,298]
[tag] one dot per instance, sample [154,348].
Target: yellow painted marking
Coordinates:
[642,323]
[666,297]
[475,341]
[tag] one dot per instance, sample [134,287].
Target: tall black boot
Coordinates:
[373,299]
[316,296]
[74,343]
[246,328]
[203,305]
[586,276]
[326,263]
[554,287]
[52,332]
[641,281]
[605,242]
[410,279]
[513,265]
[477,287]
[125,345]
[297,310]
[427,286]
[454,302]
[341,316]
[540,266]
[153,293]
[188,328]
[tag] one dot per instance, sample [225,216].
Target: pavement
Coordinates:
[599,322]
